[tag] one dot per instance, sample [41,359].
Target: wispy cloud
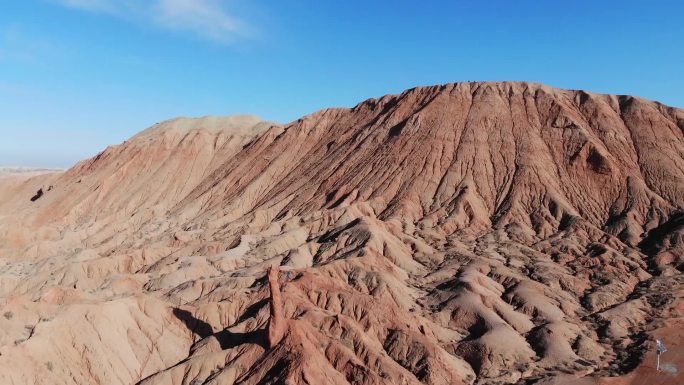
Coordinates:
[207,19]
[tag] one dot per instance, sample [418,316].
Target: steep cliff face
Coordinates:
[470,232]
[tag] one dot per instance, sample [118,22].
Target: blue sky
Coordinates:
[77,75]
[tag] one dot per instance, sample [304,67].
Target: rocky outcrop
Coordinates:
[277,324]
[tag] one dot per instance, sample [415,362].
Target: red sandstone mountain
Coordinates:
[483,233]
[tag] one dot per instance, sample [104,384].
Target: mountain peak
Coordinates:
[233,124]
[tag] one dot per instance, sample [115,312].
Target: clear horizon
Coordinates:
[78,75]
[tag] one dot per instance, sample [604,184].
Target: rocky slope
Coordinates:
[483,233]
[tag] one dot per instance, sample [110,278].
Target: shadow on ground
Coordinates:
[225,337]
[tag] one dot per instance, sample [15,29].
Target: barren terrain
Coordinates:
[469,233]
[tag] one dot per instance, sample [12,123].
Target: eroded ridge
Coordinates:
[277,324]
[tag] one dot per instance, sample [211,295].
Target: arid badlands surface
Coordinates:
[487,233]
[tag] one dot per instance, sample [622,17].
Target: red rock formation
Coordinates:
[277,324]
[482,233]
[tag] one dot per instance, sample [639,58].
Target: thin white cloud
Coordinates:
[204,17]
[208,19]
